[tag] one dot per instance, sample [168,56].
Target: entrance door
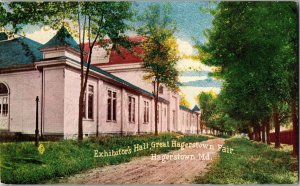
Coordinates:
[4,107]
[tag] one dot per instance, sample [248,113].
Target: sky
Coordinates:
[191,23]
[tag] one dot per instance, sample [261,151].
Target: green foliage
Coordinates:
[184,102]
[21,163]
[160,50]
[252,163]
[207,102]
[214,114]
[253,46]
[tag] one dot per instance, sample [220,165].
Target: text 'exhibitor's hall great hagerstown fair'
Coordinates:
[117,99]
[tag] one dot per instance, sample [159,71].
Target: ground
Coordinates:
[146,170]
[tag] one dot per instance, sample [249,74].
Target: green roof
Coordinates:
[19,51]
[62,38]
[185,108]
[195,109]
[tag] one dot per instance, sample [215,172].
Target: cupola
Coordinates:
[61,45]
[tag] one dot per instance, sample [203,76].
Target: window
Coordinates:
[84,105]
[165,112]
[111,105]
[3,89]
[88,103]
[146,112]
[5,106]
[91,102]
[131,109]
[3,100]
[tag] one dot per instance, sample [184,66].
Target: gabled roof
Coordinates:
[196,109]
[124,56]
[61,38]
[19,51]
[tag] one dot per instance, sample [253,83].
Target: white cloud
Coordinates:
[184,47]
[41,35]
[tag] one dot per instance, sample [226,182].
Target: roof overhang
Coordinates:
[95,72]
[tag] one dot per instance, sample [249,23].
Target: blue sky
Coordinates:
[191,22]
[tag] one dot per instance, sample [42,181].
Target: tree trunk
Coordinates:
[250,133]
[295,127]
[259,133]
[263,131]
[155,116]
[80,116]
[268,131]
[254,134]
[277,126]
[156,85]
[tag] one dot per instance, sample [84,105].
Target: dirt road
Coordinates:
[148,170]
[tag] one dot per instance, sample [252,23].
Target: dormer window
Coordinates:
[99,55]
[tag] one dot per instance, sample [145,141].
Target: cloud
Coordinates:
[42,35]
[185,48]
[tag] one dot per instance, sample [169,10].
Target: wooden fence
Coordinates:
[286,137]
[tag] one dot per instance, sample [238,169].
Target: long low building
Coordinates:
[117,99]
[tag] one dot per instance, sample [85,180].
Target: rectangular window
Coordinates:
[88,103]
[5,106]
[111,105]
[109,98]
[131,109]
[91,102]
[114,114]
[146,112]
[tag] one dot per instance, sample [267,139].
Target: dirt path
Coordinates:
[147,170]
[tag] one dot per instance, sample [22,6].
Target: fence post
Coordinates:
[37,122]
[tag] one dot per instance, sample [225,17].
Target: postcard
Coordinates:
[149,92]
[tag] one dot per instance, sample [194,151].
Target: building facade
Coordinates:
[117,99]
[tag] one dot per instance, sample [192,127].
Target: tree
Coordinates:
[160,50]
[251,44]
[91,21]
[207,104]
[184,101]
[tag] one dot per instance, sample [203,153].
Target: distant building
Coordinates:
[117,99]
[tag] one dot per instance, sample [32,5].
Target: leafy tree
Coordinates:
[160,50]
[251,43]
[90,21]
[207,102]
[184,101]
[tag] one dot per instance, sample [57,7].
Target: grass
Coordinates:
[252,163]
[20,162]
